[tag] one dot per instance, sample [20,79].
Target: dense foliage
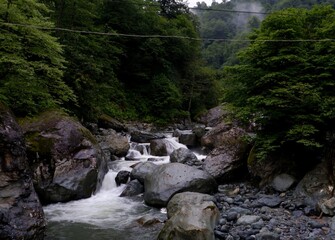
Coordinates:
[31,60]
[285,82]
[119,71]
[232,20]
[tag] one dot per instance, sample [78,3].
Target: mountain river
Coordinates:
[105,215]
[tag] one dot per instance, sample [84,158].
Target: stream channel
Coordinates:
[105,215]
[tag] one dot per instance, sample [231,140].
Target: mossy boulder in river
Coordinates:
[191,216]
[65,158]
[21,213]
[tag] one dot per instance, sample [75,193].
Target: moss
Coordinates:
[47,123]
[37,143]
[88,135]
[105,117]
[45,120]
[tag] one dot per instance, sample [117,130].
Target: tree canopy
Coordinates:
[285,82]
[232,20]
[31,60]
[99,58]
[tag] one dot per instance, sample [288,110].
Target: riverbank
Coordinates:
[248,212]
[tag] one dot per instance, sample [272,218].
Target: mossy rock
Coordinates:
[67,162]
[106,121]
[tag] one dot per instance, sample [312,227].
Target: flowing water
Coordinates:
[105,215]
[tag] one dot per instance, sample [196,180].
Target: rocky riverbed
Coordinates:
[247,212]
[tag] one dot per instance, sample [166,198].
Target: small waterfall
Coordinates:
[109,181]
[105,215]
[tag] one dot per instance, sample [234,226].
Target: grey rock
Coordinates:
[169,179]
[113,143]
[313,189]
[191,216]
[269,201]
[213,116]
[267,236]
[122,177]
[144,137]
[148,221]
[188,138]
[141,170]
[283,182]
[67,162]
[133,188]
[332,223]
[328,206]
[162,147]
[220,135]
[21,213]
[185,156]
[248,219]
[227,161]
[105,121]
[241,211]
[232,215]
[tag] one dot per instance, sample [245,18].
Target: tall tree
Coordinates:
[172,8]
[285,84]
[31,62]
[92,60]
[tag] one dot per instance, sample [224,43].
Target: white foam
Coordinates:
[105,209]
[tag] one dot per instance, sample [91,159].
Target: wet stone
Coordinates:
[315,224]
[220,235]
[270,201]
[267,236]
[232,216]
[258,225]
[272,216]
[248,219]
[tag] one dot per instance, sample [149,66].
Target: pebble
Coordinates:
[251,213]
[248,219]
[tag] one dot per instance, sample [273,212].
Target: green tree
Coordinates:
[172,8]
[285,82]
[146,61]
[31,61]
[92,60]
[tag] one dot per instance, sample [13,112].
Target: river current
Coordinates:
[105,215]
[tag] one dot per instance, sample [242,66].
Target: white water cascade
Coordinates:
[105,215]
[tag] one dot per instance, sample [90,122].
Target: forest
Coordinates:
[271,61]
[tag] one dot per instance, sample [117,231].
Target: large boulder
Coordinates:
[163,147]
[191,216]
[213,116]
[228,160]
[275,164]
[315,189]
[65,157]
[144,136]
[107,122]
[113,143]
[133,188]
[185,156]
[169,179]
[141,170]
[220,135]
[21,213]
[186,137]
